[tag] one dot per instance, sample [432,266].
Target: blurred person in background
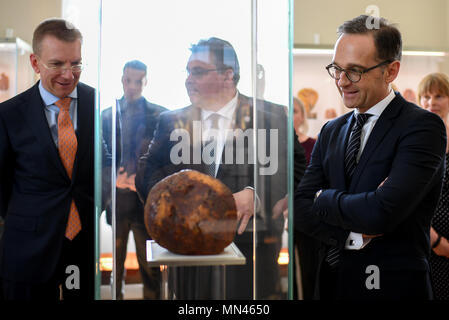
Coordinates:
[136,121]
[301,127]
[306,247]
[433,95]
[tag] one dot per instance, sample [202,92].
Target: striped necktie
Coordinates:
[352,151]
[67,146]
[353,147]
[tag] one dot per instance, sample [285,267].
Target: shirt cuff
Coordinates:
[257,198]
[355,241]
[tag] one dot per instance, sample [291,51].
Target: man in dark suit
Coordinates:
[46,175]
[371,188]
[213,74]
[136,120]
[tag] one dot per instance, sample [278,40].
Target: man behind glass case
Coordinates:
[136,121]
[213,74]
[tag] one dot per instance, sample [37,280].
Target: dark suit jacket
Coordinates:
[407,146]
[35,190]
[156,164]
[145,132]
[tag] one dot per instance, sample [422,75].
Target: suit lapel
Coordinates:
[84,132]
[381,128]
[35,116]
[340,152]
[243,113]
[243,119]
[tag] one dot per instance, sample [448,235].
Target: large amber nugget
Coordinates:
[191,213]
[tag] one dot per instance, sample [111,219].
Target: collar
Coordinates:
[227,111]
[50,99]
[379,107]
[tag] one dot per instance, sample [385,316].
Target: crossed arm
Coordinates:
[415,167]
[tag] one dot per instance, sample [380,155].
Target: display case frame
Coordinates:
[256,233]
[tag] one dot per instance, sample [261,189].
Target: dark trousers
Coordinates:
[73,279]
[328,282]
[129,211]
[308,261]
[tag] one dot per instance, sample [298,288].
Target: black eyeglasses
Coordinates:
[200,72]
[352,75]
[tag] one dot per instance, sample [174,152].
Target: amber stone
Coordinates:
[191,213]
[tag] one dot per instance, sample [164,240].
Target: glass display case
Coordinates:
[16,73]
[194,111]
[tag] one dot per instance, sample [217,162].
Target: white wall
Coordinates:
[23,16]
[424,24]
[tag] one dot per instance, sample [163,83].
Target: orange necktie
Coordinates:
[67,145]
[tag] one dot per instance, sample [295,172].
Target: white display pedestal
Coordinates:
[158,256]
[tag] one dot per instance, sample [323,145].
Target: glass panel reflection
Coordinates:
[235,144]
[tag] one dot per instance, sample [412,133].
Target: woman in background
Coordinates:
[306,247]
[301,128]
[433,95]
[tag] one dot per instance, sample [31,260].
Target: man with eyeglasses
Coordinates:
[46,175]
[213,74]
[375,176]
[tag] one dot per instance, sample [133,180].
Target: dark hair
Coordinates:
[223,53]
[387,38]
[59,28]
[135,64]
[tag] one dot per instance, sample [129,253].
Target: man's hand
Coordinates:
[281,207]
[442,249]
[244,201]
[124,181]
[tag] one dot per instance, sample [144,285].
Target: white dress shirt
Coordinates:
[225,122]
[52,111]
[355,241]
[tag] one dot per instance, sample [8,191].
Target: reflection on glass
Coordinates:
[135,121]
[238,141]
